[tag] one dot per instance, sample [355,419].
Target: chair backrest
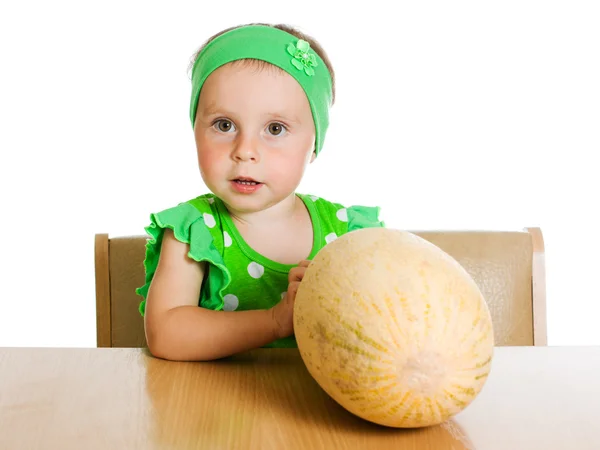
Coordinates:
[507,266]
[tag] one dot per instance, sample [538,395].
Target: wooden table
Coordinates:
[535,398]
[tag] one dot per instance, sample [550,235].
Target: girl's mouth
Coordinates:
[247,182]
[246,185]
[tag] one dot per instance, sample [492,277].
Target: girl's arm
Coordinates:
[177,329]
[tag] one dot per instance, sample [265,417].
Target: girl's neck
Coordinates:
[281,213]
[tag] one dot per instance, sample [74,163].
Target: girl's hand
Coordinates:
[283,312]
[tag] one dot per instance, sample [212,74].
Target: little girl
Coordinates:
[222,269]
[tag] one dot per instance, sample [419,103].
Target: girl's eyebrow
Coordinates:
[210,109]
[291,119]
[213,109]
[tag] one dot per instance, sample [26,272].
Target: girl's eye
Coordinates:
[276,129]
[224,125]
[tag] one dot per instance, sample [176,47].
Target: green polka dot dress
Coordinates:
[239,278]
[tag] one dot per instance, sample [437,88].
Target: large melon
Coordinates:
[393,328]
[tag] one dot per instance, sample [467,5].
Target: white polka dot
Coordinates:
[227,239]
[330,237]
[209,220]
[211,200]
[314,198]
[231,302]
[255,270]
[342,215]
[283,294]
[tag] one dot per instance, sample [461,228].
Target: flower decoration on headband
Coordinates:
[302,59]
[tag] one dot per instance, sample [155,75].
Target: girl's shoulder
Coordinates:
[201,211]
[193,222]
[350,217]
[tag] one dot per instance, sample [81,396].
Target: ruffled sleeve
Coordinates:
[364,217]
[189,227]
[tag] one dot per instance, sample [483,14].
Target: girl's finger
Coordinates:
[296,274]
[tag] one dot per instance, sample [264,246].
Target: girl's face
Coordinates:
[253,123]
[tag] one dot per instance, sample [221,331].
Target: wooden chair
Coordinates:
[508,267]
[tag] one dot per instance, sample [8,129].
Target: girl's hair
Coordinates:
[262,64]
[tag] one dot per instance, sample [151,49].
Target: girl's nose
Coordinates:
[246,149]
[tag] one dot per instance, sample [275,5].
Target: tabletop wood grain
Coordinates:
[535,398]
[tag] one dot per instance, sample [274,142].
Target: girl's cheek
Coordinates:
[206,156]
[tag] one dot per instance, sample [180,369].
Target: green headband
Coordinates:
[278,48]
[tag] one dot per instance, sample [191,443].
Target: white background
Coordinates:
[450,115]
